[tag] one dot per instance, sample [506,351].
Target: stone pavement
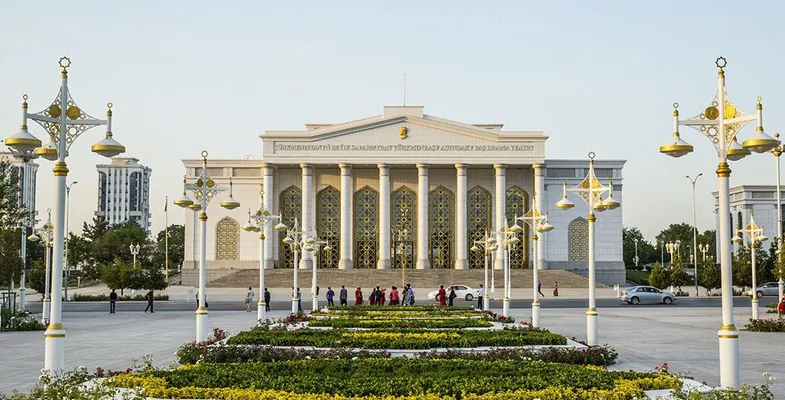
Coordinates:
[644,337]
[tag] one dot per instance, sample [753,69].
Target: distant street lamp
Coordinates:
[487,245]
[694,230]
[295,238]
[46,233]
[508,239]
[777,152]
[673,250]
[703,249]
[755,234]
[134,251]
[314,245]
[538,222]
[67,232]
[636,259]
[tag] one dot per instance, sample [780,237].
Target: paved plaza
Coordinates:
[644,337]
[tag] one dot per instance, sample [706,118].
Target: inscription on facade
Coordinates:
[403,147]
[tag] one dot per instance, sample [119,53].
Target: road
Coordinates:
[139,306]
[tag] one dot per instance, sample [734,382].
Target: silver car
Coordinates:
[646,295]
[766,289]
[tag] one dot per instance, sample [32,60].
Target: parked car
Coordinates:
[462,291]
[647,295]
[766,289]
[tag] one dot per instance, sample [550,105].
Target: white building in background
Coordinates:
[27,178]
[761,200]
[406,188]
[124,192]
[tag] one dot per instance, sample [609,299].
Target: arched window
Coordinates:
[578,237]
[291,205]
[403,227]
[478,213]
[227,232]
[517,203]
[440,227]
[328,223]
[366,227]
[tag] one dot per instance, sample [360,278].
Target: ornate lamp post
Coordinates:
[46,233]
[296,239]
[134,251]
[590,191]
[694,231]
[673,249]
[777,152]
[538,222]
[720,122]
[704,248]
[67,232]
[487,245]
[204,190]
[257,223]
[508,239]
[64,121]
[754,233]
[636,259]
[314,245]
[26,157]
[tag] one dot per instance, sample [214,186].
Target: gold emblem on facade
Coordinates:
[404,132]
[712,113]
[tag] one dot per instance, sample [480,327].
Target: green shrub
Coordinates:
[401,323]
[396,338]
[766,325]
[401,308]
[21,321]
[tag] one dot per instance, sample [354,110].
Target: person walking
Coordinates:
[112,301]
[343,296]
[249,299]
[372,297]
[149,296]
[555,289]
[394,299]
[404,296]
[383,297]
[781,308]
[452,296]
[266,300]
[299,301]
[480,296]
[442,296]
[411,294]
[358,297]
[330,296]
[539,289]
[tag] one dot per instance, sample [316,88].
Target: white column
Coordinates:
[422,217]
[460,218]
[501,205]
[384,217]
[345,261]
[306,258]
[539,203]
[270,234]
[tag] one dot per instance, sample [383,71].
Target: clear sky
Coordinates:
[601,75]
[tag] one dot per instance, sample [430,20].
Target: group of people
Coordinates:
[249,299]
[113,301]
[379,297]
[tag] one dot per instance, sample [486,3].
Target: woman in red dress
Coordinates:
[358,297]
[442,296]
[384,296]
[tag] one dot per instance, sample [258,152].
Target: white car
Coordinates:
[462,291]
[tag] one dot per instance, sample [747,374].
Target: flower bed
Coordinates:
[103,297]
[191,354]
[21,321]
[375,377]
[396,338]
[438,313]
[401,308]
[766,325]
[443,323]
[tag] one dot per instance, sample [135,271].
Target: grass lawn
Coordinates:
[639,277]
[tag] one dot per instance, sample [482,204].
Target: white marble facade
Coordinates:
[745,199]
[358,183]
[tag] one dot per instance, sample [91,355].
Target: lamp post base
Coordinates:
[54,347]
[486,302]
[536,314]
[294,305]
[592,327]
[315,303]
[260,311]
[202,327]
[729,357]
[45,311]
[506,307]
[754,304]
[22,297]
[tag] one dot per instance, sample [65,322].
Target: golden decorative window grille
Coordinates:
[328,225]
[517,204]
[578,238]
[478,213]
[366,227]
[291,206]
[227,231]
[440,227]
[403,227]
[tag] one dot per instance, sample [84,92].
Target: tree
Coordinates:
[659,277]
[176,247]
[118,275]
[709,274]
[677,276]
[647,254]
[11,215]
[80,255]
[96,230]
[114,243]
[36,276]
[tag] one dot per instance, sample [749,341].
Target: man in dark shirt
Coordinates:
[344,295]
[330,296]
[266,300]
[149,296]
[112,301]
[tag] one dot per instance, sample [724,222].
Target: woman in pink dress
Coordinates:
[394,299]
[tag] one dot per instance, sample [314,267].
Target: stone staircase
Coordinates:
[282,278]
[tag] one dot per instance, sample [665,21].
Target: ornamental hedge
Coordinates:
[401,308]
[191,354]
[442,323]
[766,325]
[397,338]
[375,377]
